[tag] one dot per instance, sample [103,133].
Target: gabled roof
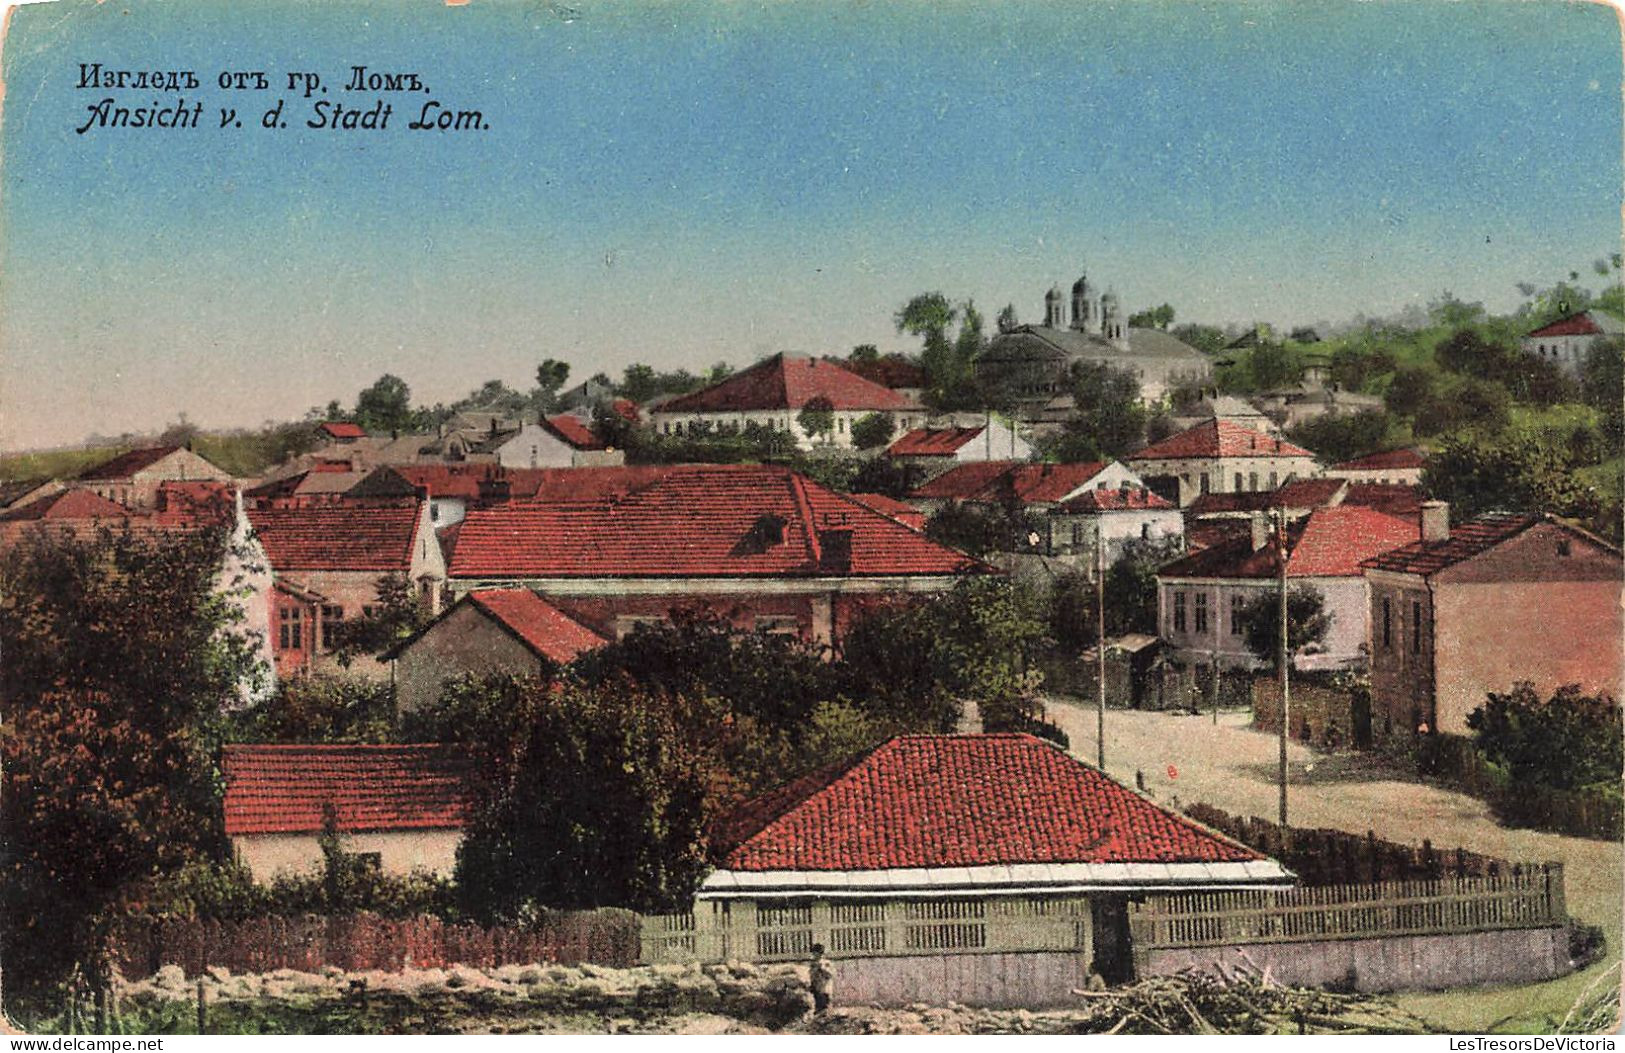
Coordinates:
[1409,457]
[1219,438]
[959,801]
[1307,493]
[1211,504]
[1114,499]
[572,431]
[337,537]
[998,481]
[1328,543]
[344,429]
[287,789]
[1582,323]
[888,506]
[932,442]
[73,503]
[698,521]
[1400,500]
[127,464]
[786,382]
[14,490]
[1469,539]
[322,478]
[539,625]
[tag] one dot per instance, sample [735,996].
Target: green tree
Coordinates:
[1480,472]
[1307,622]
[864,353]
[1107,421]
[1409,390]
[604,801]
[948,362]
[1337,439]
[320,708]
[385,406]
[1569,741]
[1271,365]
[119,652]
[397,615]
[1602,384]
[1207,339]
[1152,318]
[817,419]
[550,377]
[872,431]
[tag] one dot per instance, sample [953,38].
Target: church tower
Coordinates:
[1085,312]
[1054,308]
[1111,321]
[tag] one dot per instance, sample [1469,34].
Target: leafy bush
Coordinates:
[1568,742]
[320,708]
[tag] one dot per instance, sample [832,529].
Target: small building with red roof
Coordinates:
[342,430]
[1388,467]
[402,808]
[1484,605]
[930,845]
[327,562]
[488,631]
[132,478]
[1566,342]
[763,545]
[932,450]
[773,393]
[565,440]
[1219,456]
[1202,598]
[1115,517]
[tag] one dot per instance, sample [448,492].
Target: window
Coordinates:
[1145,531]
[1564,548]
[1387,624]
[290,629]
[1201,612]
[1179,612]
[1238,613]
[331,617]
[1206,483]
[1272,481]
[1238,483]
[1077,533]
[434,512]
[1416,627]
[1252,480]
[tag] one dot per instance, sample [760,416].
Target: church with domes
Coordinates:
[1032,364]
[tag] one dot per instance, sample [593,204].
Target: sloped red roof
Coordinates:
[1306,493]
[891,370]
[786,382]
[1210,503]
[901,511]
[541,626]
[573,431]
[1329,542]
[701,521]
[626,409]
[1466,541]
[1115,500]
[286,789]
[1580,324]
[343,429]
[127,464]
[960,801]
[1219,438]
[1406,458]
[1395,499]
[68,504]
[932,442]
[337,537]
[1003,480]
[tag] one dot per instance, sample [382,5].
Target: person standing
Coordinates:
[821,974]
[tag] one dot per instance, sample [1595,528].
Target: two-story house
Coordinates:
[1219,456]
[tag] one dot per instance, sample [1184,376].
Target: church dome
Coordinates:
[1053,295]
[1081,285]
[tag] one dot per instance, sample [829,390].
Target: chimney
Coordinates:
[1435,521]
[1260,530]
[495,489]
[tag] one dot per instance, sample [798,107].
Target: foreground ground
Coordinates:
[1186,758]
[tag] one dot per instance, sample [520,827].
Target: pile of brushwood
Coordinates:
[1198,1003]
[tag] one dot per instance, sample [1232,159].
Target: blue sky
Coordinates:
[682,183]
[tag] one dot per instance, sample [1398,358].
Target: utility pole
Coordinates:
[1100,644]
[1284,661]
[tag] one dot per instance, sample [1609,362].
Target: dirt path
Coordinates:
[1188,758]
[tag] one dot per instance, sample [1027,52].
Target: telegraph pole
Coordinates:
[1100,645]
[1285,657]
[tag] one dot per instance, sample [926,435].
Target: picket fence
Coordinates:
[1530,898]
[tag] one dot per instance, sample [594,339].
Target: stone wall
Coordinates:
[1028,980]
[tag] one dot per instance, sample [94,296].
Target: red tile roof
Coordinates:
[286,789]
[1219,438]
[343,429]
[1407,458]
[1210,504]
[571,429]
[68,504]
[626,409]
[901,511]
[892,371]
[127,464]
[698,521]
[1466,540]
[538,624]
[1115,500]
[1580,324]
[1395,499]
[932,442]
[1306,493]
[784,382]
[960,801]
[1329,543]
[997,481]
[337,537]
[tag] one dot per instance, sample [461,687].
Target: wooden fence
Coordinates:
[309,943]
[1530,898]
[724,930]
